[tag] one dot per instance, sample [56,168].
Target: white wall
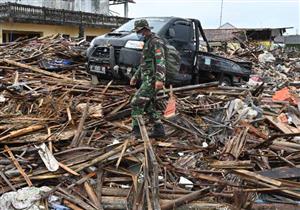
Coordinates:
[92,6]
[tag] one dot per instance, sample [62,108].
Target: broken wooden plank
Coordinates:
[232,164]
[185,199]
[281,126]
[281,173]
[22,131]
[18,166]
[76,140]
[35,69]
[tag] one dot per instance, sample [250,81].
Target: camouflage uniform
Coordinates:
[151,69]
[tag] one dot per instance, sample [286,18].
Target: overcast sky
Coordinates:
[240,13]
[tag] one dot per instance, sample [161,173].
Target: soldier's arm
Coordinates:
[137,73]
[160,61]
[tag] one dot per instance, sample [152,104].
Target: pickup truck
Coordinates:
[116,55]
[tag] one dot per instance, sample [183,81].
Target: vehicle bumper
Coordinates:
[113,63]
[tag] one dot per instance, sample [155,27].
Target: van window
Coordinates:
[182,32]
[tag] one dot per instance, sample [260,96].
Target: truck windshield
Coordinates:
[155,23]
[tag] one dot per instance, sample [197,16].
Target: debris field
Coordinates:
[66,144]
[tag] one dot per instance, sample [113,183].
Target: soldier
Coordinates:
[151,72]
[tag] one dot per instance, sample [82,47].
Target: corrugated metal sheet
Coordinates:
[292,39]
[223,35]
[279,39]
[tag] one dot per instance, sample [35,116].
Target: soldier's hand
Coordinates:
[159,85]
[133,81]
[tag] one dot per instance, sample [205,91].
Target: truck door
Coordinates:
[180,35]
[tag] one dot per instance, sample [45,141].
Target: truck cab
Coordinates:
[116,55]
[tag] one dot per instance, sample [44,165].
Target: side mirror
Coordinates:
[171,32]
[112,29]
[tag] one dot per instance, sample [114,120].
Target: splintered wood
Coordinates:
[226,147]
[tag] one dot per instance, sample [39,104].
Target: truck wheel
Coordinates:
[226,81]
[95,80]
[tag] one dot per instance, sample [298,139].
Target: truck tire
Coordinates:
[95,80]
[226,81]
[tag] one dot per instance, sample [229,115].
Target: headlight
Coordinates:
[135,45]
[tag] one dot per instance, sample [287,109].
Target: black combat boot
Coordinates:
[136,132]
[158,131]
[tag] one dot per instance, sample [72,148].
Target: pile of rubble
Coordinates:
[66,144]
[277,66]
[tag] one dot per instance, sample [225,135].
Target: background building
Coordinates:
[72,18]
[90,6]
[231,36]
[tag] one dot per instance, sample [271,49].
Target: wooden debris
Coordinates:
[18,166]
[224,142]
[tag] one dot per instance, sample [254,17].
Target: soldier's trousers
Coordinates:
[144,101]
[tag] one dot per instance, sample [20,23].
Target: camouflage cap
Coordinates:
[140,24]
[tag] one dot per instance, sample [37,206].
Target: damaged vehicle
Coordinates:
[116,55]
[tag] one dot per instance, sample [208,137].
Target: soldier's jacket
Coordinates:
[153,64]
